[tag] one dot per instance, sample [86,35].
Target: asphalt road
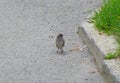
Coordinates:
[28,29]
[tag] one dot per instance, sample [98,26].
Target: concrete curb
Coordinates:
[99,46]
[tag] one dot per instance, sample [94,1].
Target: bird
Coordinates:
[60,42]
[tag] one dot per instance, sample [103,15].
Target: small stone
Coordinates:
[86,79]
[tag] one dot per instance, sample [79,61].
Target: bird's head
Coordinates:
[60,35]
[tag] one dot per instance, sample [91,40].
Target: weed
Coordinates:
[107,20]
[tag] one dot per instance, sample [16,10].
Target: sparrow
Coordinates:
[60,42]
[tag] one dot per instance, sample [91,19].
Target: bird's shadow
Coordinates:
[63,53]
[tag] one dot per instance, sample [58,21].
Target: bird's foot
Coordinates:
[62,51]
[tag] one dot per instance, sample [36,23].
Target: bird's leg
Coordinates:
[57,50]
[62,50]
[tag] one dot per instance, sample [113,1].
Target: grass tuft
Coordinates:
[111,55]
[107,20]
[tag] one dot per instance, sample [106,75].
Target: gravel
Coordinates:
[28,30]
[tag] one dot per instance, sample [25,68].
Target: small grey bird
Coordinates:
[60,42]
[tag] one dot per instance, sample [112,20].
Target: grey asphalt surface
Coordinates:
[28,29]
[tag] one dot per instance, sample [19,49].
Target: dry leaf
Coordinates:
[100,33]
[75,49]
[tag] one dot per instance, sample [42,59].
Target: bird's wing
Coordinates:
[63,42]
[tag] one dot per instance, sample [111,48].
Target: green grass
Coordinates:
[111,55]
[107,20]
